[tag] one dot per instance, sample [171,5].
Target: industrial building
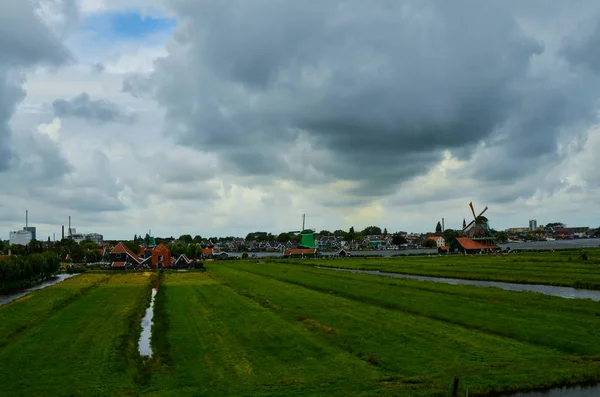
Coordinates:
[20,237]
[23,237]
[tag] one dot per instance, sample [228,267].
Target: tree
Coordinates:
[185,238]
[385,233]
[325,233]
[555,224]
[371,230]
[502,236]
[283,238]
[131,245]
[197,239]
[429,243]
[350,235]
[88,244]
[450,235]
[339,233]
[398,239]
[438,228]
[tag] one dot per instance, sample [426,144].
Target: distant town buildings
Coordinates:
[533,225]
[79,237]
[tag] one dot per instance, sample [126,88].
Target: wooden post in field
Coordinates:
[455,388]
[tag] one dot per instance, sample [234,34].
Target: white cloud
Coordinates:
[51,129]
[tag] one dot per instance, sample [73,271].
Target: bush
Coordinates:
[245,255]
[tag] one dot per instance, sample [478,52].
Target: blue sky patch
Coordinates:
[127,25]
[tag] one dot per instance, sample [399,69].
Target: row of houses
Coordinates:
[121,257]
[326,243]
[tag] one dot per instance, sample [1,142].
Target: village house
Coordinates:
[439,240]
[464,245]
[300,253]
[122,257]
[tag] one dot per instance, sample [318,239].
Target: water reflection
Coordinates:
[144,343]
[4,299]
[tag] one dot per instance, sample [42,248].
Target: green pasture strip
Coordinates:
[539,268]
[572,326]
[19,316]
[412,352]
[222,344]
[87,348]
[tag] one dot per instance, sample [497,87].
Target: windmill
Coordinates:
[478,227]
[307,239]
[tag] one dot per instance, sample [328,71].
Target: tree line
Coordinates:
[22,271]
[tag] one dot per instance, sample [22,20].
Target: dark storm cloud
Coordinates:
[100,111]
[137,86]
[380,88]
[24,42]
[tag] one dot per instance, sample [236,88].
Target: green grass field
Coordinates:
[554,268]
[77,338]
[274,329]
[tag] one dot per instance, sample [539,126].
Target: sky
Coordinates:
[224,117]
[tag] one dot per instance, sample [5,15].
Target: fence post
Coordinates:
[455,388]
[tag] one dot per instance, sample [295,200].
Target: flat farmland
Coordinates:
[565,268]
[275,329]
[77,338]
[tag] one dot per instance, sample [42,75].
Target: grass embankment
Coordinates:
[552,268]
[417,336]
[78,337]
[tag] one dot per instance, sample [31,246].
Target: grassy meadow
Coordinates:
[564,268]
[275,329]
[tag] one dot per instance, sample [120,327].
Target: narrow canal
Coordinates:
[563,292]
[144,346]
[5,299]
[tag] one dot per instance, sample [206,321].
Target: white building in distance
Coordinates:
[20,237]
[95,237]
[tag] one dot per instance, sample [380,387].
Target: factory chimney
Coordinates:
[69,225]
[443,230]
[26,219]
[63,232]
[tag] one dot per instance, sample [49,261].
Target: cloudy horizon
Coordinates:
[222,118]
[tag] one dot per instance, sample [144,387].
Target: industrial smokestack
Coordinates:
[26,218]
[63,232]
[69,225]
[443,230]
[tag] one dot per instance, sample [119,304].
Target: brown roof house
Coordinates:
[154,257]
[465,245]
[122,257]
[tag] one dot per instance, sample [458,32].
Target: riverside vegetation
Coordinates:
[23,271]
[267,329]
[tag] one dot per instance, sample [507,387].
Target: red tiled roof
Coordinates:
[118,264]
[433,238]
[444,248]
[207,251]
[300,251]
[122,249]
[469,244]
